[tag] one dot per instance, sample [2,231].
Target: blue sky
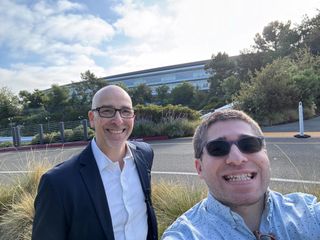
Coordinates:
[49,42]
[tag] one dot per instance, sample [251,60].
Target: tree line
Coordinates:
[266,80]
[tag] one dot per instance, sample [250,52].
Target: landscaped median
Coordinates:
[170,200]
[17,209]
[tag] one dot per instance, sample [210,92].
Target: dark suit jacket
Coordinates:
[71,202]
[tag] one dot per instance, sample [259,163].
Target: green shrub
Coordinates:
[156,113]
[6,144]
[145,128]
[167,127]
[177,127]
[70,135]
[47,138]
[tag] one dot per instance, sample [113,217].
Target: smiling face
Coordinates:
[111,134]
[237,179]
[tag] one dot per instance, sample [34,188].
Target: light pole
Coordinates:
[47,119]
[10,119]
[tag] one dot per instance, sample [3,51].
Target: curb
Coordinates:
[71,144]
[44,146]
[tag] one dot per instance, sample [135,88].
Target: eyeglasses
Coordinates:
[248,144]
[261,236]
[110,112]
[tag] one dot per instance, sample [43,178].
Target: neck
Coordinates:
[251,214]
[115,154]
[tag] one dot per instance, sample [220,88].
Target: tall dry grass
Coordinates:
[170,200]
[16,203]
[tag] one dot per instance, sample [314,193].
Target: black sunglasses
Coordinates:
[248,144]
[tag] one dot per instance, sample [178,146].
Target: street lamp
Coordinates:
[10,119]
[47,119]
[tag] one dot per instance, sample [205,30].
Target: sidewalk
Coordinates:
[289,134]
[311,128]
[289,130]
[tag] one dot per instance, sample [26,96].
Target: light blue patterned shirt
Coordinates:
[294,216]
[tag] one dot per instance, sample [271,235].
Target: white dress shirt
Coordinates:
[124,195]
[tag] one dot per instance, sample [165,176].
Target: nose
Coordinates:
[117,118]
[235,156]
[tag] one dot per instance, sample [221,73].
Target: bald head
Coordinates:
[110,90]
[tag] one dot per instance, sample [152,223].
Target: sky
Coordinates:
[45,42]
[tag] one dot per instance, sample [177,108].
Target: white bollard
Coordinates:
[301,124]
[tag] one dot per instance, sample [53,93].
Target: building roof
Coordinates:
[158,69]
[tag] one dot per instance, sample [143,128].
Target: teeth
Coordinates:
[115,131]
[242,177]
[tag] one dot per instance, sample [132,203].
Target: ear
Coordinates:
[91,118]
[198,165]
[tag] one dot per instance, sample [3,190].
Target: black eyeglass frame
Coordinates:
[120,110]
[238,143]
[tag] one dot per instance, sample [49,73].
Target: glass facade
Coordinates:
[171,76]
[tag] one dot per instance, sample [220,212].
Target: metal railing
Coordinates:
[46,132]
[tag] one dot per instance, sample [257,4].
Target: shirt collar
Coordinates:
[102,159]
[268,207]
[215,207]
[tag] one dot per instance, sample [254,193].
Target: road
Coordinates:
[293,160]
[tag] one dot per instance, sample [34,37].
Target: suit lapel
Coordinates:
[92,179]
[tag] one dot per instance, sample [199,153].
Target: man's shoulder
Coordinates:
[294,198]
[68,166]
[301,205]
[139,145]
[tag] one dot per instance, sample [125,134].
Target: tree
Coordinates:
[142,94]
[249,62]
[278,39]
[36,99]
[220,67]
[123,86]
[272,93]
[310,33]
[57,101]
[200,99]
[9,104]
[83,91]
[183,94]
[308,77]
[230,86]
[163,95]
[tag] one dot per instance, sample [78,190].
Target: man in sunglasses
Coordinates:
[104,192]
[231,157]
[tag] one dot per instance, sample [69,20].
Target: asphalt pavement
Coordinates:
[311,127]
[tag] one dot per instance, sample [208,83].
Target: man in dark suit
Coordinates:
[104,192]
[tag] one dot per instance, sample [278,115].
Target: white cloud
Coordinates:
[28,77]
[50,43]
[63,39]
[47,25]
[178,31]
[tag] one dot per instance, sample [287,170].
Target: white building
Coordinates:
[171,76]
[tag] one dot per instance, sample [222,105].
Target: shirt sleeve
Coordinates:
[316,208]
[173,235]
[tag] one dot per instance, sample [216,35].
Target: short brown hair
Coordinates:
[200,135]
